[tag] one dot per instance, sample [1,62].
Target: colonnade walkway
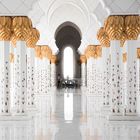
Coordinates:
[67,123]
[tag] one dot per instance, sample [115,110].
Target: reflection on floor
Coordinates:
[67,123]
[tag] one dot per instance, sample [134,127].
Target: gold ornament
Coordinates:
[103,38]
[46,51]
[138,53]
[53,59]
[124,57]
[11,58]
[83,59]
[94,51]
[32,38]
[5,28]
[21,27]
[114,26]
[132,27]
[38,52]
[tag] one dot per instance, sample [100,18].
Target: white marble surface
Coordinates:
[67,124]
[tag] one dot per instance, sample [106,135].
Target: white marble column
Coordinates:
[4,78]
[138,81]
[116,95]
[37,70]
[83,74]
[91,75]
[12,78]
[30,78]
[19,97]
[46,75]
[53,75]
[131,97]
[106,76]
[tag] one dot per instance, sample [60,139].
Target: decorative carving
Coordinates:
[123,39]
[124,57]
[83,59]
[11,58]
[114,26]
[94,51]
[53,59]
[5,28]
[138,53]
[38,51]
[132,27]
[46,51]
[103,38]
[33,38]
[21,28]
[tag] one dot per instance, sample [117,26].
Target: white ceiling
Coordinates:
[88,15]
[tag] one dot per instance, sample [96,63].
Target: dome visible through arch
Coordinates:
[68,33]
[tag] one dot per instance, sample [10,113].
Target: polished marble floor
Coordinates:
[67,123]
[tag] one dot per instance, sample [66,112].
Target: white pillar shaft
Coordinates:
[83,74]
[53,75]
[91,75]
[46,76]
[19,97]
[36,85]
[106,76]
[131,98]
[4,78]
[116,78]
[30,77]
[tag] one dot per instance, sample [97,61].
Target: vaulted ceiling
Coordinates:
[88,15]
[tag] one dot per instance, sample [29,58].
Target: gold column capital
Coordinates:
[138,53]
[124,57]
[132,26]
[83,59]
[33,37]
[11,57]
[103,37]
[46,51]
[53,59]
[38,52]
[5,28]
[21,28]
[114,26]
[94,51]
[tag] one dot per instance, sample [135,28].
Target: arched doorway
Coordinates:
[68,62]
[68,40]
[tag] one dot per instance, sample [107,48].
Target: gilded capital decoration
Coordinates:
[11,57]
[138,53]
[114,26]
[132,27]
[46,51]
[32,38]
[5,28]
[103,37]
[94,51]
[21,27]
[53,59]
[38,52]
[83,59]
[124,57]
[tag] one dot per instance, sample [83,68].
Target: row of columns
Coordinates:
[28,71]
[118,59]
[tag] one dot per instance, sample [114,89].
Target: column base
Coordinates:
[123,118]
[105,110]
[5,114]
[54,118]
[31,110]
[14,118]
[83,118]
